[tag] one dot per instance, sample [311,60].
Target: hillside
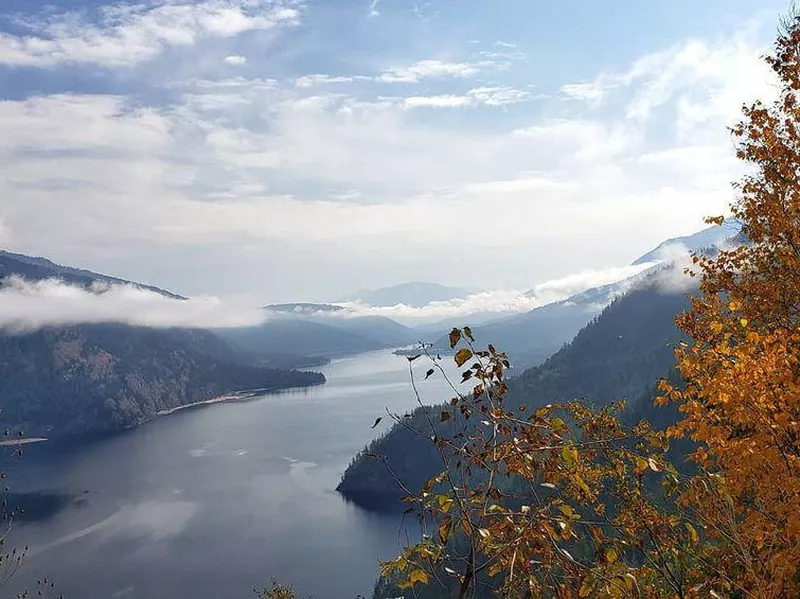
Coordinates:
[106,377]
[532,337]
[620,354]
[37,269]
[299,337]
[90,378]
[415,294]
[318,330]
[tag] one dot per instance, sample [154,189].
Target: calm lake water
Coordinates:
[212,502]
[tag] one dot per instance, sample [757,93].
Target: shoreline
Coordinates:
[214,400]
[23,441]
[236,396]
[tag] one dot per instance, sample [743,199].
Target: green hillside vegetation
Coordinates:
[107,377]
[619,355]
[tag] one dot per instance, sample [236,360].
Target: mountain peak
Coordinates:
[706,238]
[415,294]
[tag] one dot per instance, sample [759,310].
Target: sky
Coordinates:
[290,150]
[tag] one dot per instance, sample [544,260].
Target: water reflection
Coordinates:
[212,502]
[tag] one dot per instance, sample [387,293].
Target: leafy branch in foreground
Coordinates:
[741,403]
[568,502]
[561,502]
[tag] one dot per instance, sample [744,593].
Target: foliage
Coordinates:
[91,378]
[620,354]
[567,500]
[548,502]
[276,591]
[742,400]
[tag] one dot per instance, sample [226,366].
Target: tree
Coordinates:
[568,502]
[741,402]
[561,502]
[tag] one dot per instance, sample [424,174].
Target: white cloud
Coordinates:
[499,96]
[126,35]
[570,285]
[428,69]
[489,96]
[322,79]
[588,92]
[373,8]
[235,59]
[436,101]
[27,306]
[235,169]
[504,301]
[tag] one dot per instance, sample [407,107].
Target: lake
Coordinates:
[211,502]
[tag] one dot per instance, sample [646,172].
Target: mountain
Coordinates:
[298,336]
[413,294]
[326,330]
[619,354]
[378,328]
[531,337]
[102,377]
[712,236]
[37,269]
[384,331]
[97,378]
[304,309]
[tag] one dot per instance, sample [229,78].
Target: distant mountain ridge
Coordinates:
[102,377]
[38,269]
[620,354]
[414,294]
[318,330]
[531,337]
[706,238]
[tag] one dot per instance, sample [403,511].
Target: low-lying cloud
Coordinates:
[564,287]
[30,305]
[508,301]
[27,306]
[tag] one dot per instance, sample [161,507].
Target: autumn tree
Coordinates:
[741,402]
[568,502]
[561,501]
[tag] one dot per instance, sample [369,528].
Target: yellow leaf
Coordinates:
[444,529]
[587,586]
[418,576]
[462,356]
[611,555]
[693,533]
[570,456]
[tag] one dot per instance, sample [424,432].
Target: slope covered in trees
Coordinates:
[105,377]
[101,377]
[619,355]
[570,500]
[37,269]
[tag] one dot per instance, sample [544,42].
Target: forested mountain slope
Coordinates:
[100,377]
[619,355]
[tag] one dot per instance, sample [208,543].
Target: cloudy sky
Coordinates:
[299,150]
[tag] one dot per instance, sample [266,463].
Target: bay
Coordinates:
[213,501]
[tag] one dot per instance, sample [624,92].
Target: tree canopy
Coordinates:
[569,501]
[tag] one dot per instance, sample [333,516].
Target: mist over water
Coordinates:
[212,502]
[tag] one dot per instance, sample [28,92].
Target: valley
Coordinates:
[94,391]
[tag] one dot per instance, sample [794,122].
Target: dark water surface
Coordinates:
[212,502]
